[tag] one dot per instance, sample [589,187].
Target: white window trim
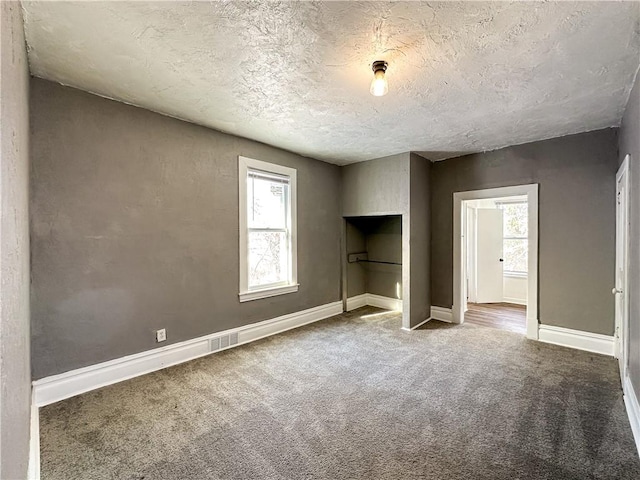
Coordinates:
[513,273]
[246,294]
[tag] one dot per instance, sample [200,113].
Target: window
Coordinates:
[516,237]
[267,229]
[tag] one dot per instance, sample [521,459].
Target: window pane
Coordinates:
[515,219]
[268,258]
[267,203]
[515,255]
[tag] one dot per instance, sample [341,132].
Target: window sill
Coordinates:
[267,292]
[514,275]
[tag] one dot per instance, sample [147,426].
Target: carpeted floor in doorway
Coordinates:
[354,397]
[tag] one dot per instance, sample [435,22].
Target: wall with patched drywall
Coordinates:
[15,372]
[576,175]
[135,228]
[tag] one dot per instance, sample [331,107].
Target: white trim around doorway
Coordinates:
[621,335]
[531,191]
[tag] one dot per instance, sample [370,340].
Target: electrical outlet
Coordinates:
[161,335]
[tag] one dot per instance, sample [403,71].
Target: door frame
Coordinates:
[531,191]
[471,284]
[621,346]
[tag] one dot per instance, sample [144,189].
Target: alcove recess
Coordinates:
[374,256]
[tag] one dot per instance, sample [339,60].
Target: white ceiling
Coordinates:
[463,76]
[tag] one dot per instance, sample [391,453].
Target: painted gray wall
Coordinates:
[576,175]
[376,187]
[384,243]
[135,227]
[398,184]
[630,144]
[15,372]
[420,239]
[381,238]
[381,187]
[356,272]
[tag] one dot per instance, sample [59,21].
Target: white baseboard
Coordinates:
[33,472]
[591,342]
[516,301]
[387,303]
[356,302]
[633,410]
[373,300]
[442,314]
[58,387]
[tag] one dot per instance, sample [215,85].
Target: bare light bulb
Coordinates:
[379,84]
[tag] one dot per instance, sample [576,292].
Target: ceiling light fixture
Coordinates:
[379,85]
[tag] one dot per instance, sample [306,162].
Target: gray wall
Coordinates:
[576,175]
[630,144]
[381,238]
[356,272]
[15,374]
[376,187]
[420,238]
[381,187]
[135,227]
[387,186]
[384,244]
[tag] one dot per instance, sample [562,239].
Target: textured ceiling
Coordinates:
[463,76]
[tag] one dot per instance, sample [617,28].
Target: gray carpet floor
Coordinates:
[354,397]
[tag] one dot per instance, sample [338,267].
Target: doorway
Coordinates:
[495,266]
[481,289]
[500,315]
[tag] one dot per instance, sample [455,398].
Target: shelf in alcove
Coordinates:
[378,261]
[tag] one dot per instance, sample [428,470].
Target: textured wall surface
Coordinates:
[376,187]
[475,75]
[135,227]
[576,175]
[15,372]
[420,239]
[630,144]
